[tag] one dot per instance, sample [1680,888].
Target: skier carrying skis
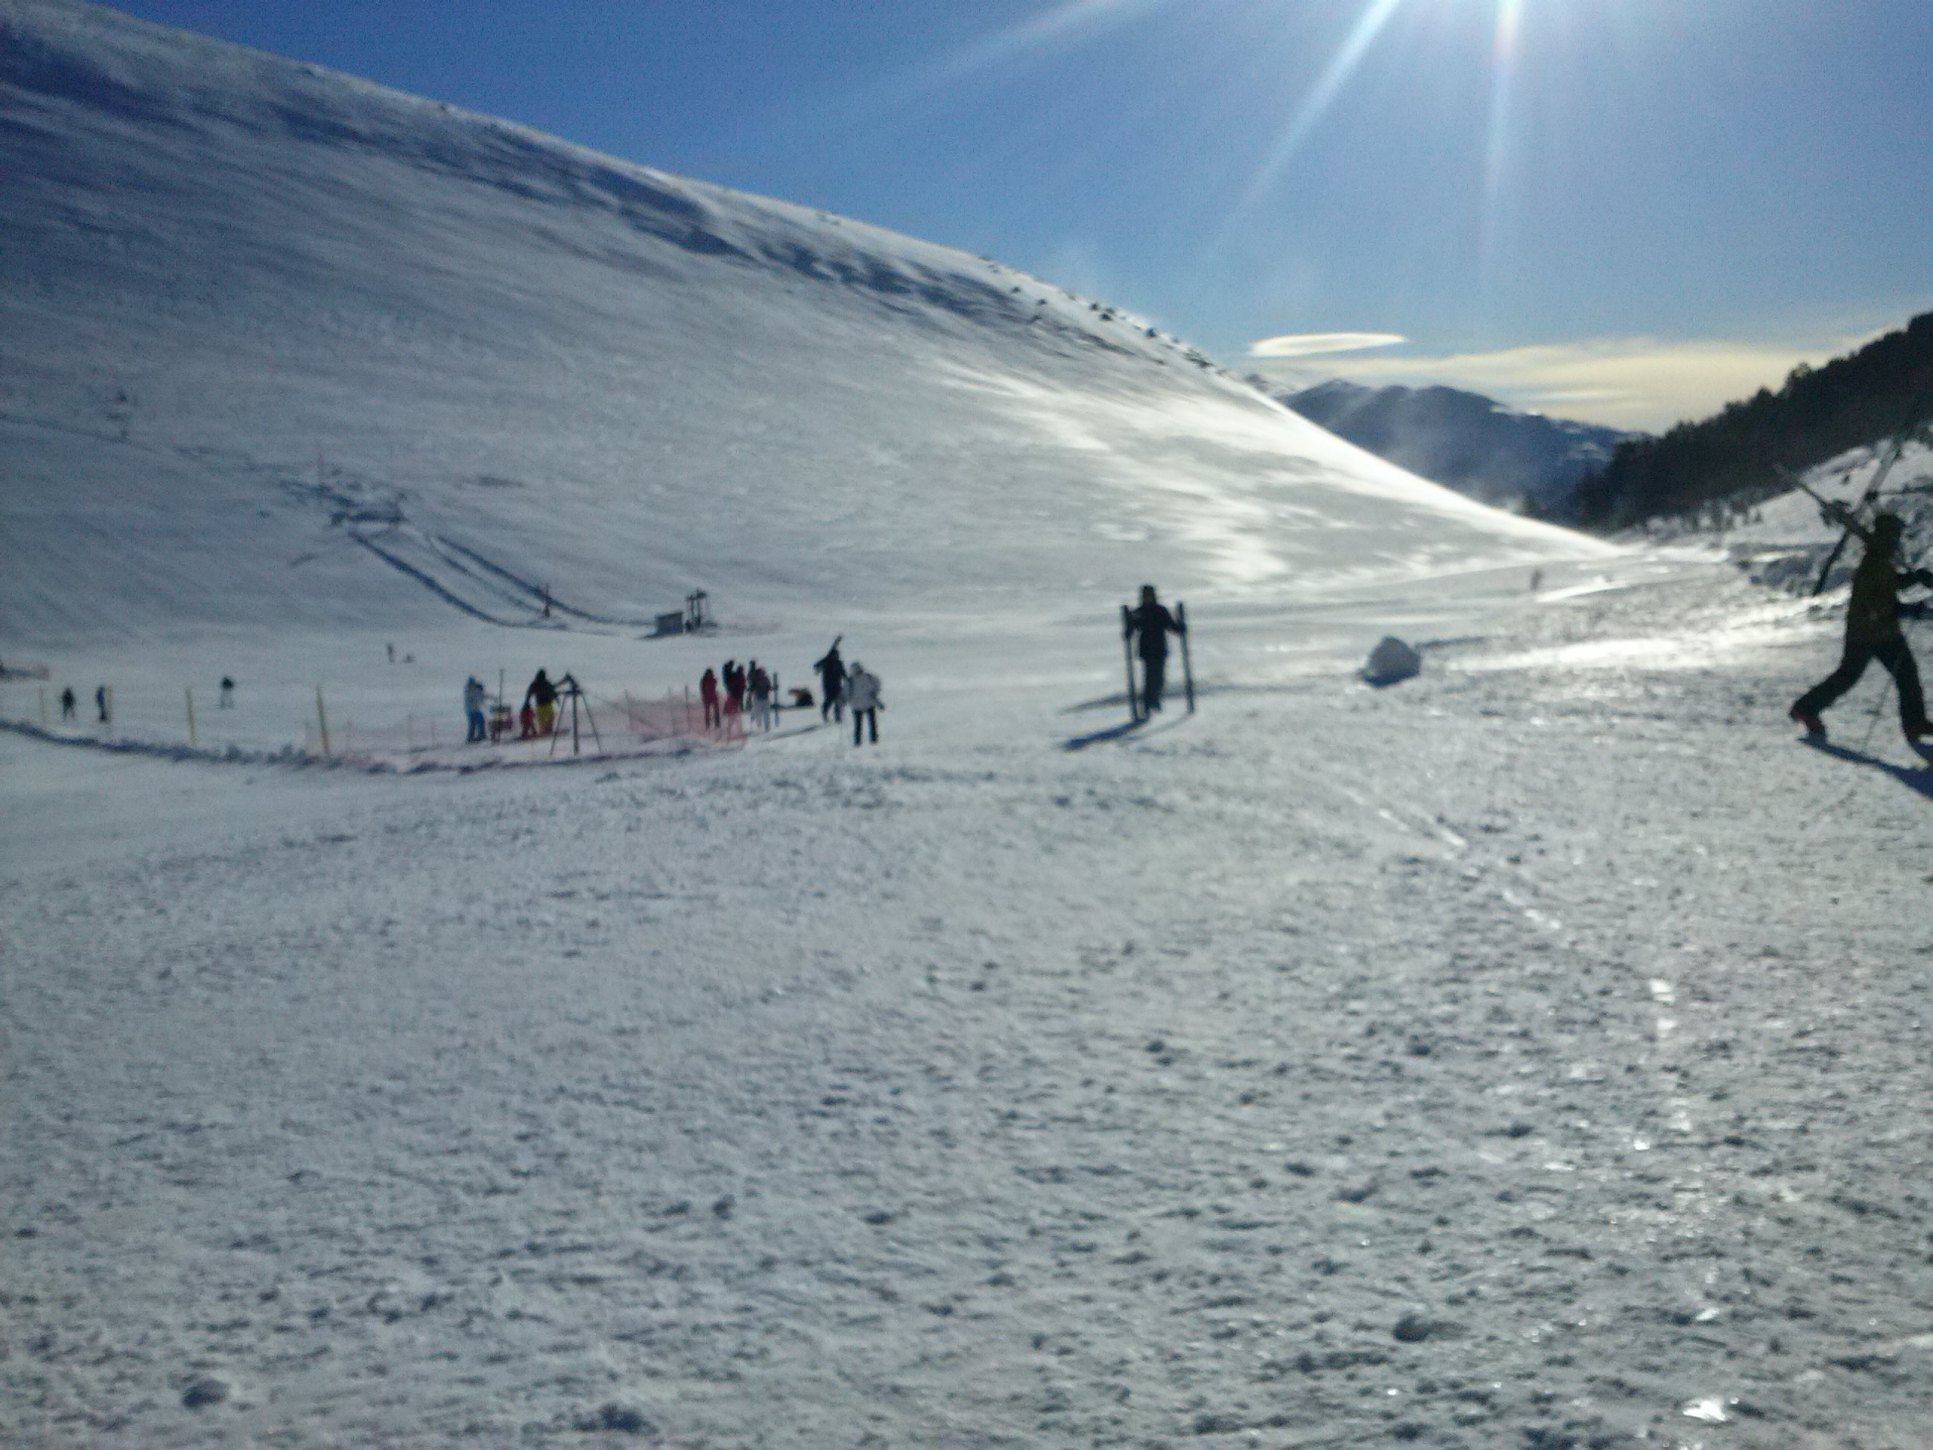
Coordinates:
[1873,633]
[1150,625]
[832,679]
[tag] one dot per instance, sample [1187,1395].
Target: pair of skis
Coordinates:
[1849,518]
[1127,653]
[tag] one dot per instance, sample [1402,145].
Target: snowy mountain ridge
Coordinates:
[1463,440]
[288,347]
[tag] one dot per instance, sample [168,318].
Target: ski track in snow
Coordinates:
[1530,1054]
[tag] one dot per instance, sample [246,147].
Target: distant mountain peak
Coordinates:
[1474,444]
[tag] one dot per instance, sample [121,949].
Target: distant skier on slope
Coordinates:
[67,703]
[1873,633]
[1149,625]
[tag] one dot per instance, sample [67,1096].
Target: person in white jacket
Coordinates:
[862,698]
[473,709]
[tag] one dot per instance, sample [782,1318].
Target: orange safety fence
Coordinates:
[605,725]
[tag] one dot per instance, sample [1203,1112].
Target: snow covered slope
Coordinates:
[262,321]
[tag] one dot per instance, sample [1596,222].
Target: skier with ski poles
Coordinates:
[1149,625]
[1873,631]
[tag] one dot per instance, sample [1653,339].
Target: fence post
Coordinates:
[322,720]
[189,691]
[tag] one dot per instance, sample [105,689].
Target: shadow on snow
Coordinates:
[1913,777]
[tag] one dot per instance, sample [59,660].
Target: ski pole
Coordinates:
[1187,670]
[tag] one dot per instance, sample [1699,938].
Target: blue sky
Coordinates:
[1622,210]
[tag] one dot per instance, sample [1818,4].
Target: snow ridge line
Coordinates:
[228,755]
[294,758]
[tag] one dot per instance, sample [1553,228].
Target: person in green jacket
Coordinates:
[1873,633]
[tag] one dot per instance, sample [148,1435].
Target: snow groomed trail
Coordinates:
[1532,1054]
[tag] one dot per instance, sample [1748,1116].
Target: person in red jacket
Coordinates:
[708,692]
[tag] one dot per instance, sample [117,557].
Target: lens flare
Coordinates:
[1503,70]
[1334,77]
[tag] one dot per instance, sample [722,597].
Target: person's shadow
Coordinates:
[1913,777]
[1112,732]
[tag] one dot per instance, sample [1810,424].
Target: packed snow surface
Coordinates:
[1531,1053]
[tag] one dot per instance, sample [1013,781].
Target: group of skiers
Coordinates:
[104,701]
[749,691]
[746,694]
[536,717]
[849,687]
[102,704]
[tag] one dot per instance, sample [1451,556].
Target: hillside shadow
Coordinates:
[1917,778]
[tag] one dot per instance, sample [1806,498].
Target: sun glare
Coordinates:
[1503,69]
[1334,77]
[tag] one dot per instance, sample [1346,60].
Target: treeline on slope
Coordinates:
[1725,465]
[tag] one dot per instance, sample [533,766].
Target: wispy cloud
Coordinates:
[1317,344]
[1625,382]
